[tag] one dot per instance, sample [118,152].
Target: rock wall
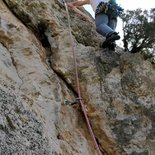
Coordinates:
[37,86]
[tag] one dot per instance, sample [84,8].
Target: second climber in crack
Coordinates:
[106,13]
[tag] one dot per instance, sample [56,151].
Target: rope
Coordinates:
[78,86]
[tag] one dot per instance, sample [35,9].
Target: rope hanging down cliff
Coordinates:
[78,86]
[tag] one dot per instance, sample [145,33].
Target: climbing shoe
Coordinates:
[112,46]
[111,37]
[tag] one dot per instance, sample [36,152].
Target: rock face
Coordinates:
[37,86]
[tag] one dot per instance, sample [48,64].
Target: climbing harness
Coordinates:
[78,86]
[102,8]
[112,10]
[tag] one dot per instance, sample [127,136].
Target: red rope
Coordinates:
[78,87]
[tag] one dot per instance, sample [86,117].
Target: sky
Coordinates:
[133,4]
[127,5]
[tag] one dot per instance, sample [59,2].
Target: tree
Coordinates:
[138,30]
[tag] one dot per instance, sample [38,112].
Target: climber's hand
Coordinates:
[70,4]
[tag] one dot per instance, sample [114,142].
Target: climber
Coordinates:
[106,12]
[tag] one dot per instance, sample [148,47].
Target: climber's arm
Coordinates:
[75,4]
[78,3]
[82,14]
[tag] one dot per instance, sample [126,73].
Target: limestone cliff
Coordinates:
[37,87]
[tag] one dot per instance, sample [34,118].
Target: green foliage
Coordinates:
[139,30]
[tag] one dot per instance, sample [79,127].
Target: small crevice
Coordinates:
[10,123]
[69,86]
[3,44]
[14,64]
[41,35]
